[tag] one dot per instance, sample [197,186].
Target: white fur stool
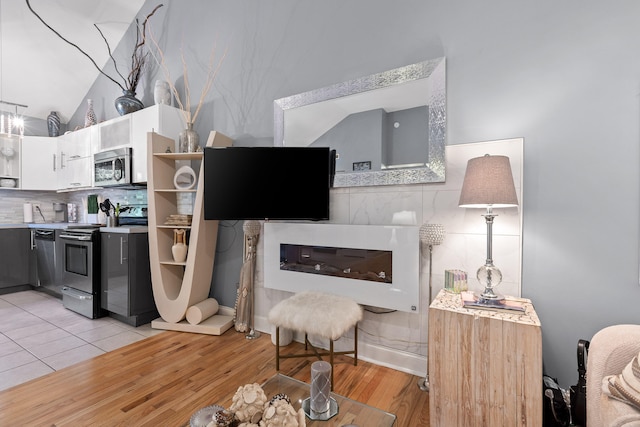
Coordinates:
[315,313]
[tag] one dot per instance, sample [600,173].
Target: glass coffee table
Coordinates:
[349,411]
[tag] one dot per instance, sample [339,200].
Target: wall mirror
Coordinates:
[387,128]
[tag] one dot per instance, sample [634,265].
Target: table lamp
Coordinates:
[430,235]
[488,183]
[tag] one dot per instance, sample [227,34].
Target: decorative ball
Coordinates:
[280,396]
[280,413]
[223,418]
[432,234]
[248,403]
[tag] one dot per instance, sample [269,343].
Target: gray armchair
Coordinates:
[610,350]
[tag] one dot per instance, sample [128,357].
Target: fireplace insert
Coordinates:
[362,264]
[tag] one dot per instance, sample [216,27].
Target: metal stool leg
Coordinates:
[277,348]
[355,345]
[331,361]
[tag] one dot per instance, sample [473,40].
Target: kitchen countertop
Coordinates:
[59,225]
[46,225]
[125,229]
[14,226]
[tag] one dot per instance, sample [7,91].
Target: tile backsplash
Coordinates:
[12,201]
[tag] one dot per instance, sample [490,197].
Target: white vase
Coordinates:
[90,116]
[179,248]
[162,93]
[179,251]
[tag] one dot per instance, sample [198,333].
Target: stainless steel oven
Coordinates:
[79,267]
[112,167]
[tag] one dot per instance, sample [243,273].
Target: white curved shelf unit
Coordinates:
[180,285]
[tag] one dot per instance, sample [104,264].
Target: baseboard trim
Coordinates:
[399,360]
[226,311]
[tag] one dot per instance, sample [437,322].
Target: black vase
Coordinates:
[128,103]
[53,124]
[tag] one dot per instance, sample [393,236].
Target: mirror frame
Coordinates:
[434,170]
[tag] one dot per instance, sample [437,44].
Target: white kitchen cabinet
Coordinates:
[161,119]
[66,162]
[114,133]
[39,167]
[131,131]
[80,173]
[75,159]
[10,161]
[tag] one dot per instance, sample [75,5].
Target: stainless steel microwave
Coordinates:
[112,167]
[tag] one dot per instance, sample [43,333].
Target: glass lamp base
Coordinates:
[496,300]
[489,276]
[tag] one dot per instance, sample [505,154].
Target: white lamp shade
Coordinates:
[488,182]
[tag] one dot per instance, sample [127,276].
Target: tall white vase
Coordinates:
[162,93]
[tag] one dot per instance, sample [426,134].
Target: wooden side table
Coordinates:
[485,366]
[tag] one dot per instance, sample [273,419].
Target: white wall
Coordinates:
[565,76]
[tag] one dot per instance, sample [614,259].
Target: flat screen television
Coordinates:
[285,183]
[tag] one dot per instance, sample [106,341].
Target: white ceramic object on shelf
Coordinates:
[162,92]
[179,248]
[184,183]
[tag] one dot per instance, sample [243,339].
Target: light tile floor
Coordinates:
[38,336]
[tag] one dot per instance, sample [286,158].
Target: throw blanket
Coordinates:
[625,386]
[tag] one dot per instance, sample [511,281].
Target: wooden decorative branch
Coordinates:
[138,57]
[212,72]
[113,60]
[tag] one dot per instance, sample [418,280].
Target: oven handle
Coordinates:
[75,294]
[75,237]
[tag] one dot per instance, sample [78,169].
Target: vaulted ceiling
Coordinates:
[40,70]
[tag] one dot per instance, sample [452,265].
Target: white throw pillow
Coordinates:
[626,385]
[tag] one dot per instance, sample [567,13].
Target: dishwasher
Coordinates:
[45,242]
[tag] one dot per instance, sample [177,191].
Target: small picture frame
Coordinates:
[362,166]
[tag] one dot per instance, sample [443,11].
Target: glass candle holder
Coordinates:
[320,386]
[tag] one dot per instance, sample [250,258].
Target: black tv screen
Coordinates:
[267,183]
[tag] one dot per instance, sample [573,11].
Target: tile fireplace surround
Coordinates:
[398,339]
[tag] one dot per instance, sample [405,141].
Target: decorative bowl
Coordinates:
[7,182]
[204,416]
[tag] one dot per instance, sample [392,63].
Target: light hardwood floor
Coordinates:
[162,380]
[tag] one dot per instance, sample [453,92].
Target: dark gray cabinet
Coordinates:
[126,278]
[15,259]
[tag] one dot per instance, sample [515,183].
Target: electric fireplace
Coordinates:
[375,265]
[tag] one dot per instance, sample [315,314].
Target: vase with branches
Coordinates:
[188,140]
[127,103]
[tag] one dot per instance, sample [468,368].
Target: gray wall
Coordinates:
[357,138]
[405,144]
[563,75]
